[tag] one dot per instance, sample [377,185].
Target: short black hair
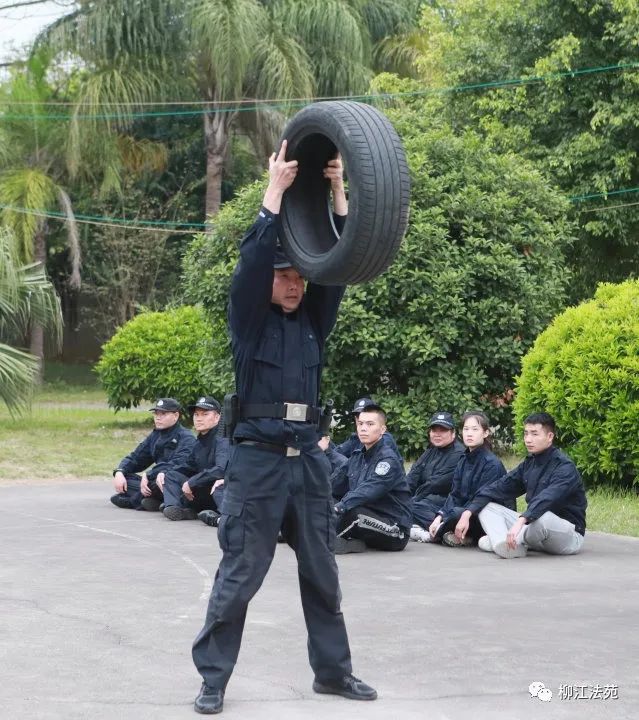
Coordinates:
[381,414]
[544,419]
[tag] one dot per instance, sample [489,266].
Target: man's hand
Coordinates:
[120,482]
[160,481]
[144,486]
[511,538]
[188,493]
[323,443]
[281,175]
[462,525]
[334,171]
[216,485]
[434,526]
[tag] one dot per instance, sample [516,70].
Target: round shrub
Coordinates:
[157,354]
[584,370]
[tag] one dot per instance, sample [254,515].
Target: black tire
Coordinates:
[378,193]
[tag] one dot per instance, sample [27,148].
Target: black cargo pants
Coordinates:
[264,492]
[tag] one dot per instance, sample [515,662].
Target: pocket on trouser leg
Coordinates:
[230,531]
[331,525]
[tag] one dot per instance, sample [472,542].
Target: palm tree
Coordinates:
[33,175]
[26,297]
[222,52]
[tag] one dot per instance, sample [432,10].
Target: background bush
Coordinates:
[479,275]
[584,370]
[157,354]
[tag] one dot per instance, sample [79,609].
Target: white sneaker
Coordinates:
[485,544]
[418,534]
[508,553]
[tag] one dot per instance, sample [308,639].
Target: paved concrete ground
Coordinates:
[98,608]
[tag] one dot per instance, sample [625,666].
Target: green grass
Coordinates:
[71,434]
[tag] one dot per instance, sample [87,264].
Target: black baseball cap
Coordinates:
[280,260]
[205,402]
[365,403]
[166,405]
[445,419]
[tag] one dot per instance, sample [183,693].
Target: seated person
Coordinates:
[431,477]
[169,442]
[555,518]
[373,500]
[478,467]
[335,458]
[192,486]
[352,443]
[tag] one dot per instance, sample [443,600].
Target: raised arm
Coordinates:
[252,284]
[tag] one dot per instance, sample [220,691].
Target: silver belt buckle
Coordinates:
[295,412]
[292,452]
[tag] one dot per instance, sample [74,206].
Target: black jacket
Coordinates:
[162,447]
[278,356]
[551,483]
[432,474]
[374,478]
[473,471]
[207,460]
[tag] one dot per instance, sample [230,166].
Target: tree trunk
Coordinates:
[37,332]
[216,138]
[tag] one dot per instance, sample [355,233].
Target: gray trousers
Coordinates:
[549,533]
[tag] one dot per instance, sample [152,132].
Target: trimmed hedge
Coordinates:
[157,354]
[584,370]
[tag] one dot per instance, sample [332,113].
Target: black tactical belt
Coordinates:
[296,412]
[271,447]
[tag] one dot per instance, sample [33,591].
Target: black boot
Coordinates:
[210,517]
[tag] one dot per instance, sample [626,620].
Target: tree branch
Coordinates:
[24,3]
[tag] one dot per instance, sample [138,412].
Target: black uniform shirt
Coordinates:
[474,470]
[162,447]
[432,474]
[374,478]
[278,356]
[207,460]
[551,482]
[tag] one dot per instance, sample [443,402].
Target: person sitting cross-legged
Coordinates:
[554,521]
[373,500]
[194,485]
[478,467]
[431,477]
[168,443]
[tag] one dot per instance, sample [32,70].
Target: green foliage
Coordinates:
[26,296]
[157,354]
[580,130]
[479,275]
[584,370]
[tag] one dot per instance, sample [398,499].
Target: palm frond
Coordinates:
[26,296]
[73,239]
[27,189]
[226,33]
[18,370]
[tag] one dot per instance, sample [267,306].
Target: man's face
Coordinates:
[288,289]
[370,428]
[163,419]
[205,420]
[440,436]
[537,438]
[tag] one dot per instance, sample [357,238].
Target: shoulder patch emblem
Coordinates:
[382,468]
